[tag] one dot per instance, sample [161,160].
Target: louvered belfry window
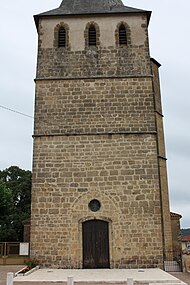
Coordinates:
[122,35]
[62,37]
[92,36]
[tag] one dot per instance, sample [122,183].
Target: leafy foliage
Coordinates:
[185,232]
[6,205]
[32,262]
[15,194]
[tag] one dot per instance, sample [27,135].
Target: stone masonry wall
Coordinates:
[121,172]
[167,231]
[93,62]
[95,137]
[106,59]
[94,106]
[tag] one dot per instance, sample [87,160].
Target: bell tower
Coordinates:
[99,192]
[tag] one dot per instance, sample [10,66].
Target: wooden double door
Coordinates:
[95,235]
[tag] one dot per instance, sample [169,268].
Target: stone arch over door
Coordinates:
[109,213]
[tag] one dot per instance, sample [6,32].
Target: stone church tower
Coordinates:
[99,194]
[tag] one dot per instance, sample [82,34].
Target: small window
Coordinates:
[92,36]
[94,205]
[62,37]
[122,35]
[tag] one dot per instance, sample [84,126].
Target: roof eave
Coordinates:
[38,16]
[36,20]
[148,16]
[175,215]
[155,62]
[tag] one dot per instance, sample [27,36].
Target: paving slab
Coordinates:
[184,276]
[100,276]
[4,269]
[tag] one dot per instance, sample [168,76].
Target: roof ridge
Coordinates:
[111,3]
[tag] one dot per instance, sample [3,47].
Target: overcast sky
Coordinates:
[169,31]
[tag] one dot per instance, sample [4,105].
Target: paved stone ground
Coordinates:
[8,268]
[185,277]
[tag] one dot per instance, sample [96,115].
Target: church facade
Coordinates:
[99,191]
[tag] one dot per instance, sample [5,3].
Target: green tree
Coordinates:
[6,207]
[16,186]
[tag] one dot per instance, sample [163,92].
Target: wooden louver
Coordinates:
[92,36]
[122,35]
[62,37]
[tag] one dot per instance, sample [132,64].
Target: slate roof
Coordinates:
[88,7]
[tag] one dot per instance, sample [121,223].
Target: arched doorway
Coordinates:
[95,238]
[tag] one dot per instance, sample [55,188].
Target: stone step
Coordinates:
[95,283]
[98,277]
[78,283]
